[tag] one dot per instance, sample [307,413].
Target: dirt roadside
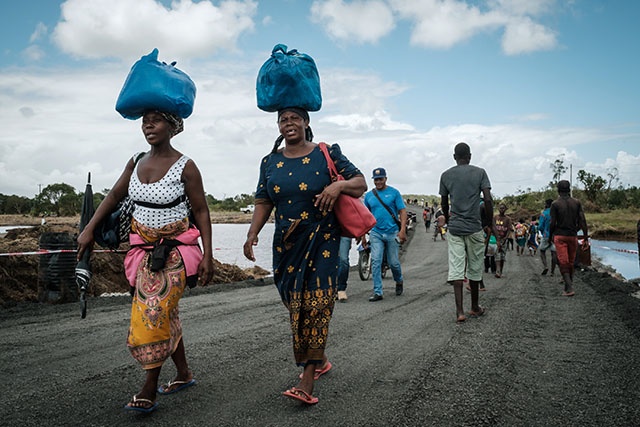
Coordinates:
[534,359]
[23,278]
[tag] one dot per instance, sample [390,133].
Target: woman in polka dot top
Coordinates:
[164,254]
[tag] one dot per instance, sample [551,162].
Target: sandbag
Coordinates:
[288,79]
[154,85]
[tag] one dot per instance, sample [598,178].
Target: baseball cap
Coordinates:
[379,173]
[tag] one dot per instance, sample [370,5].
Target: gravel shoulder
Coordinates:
[534,359]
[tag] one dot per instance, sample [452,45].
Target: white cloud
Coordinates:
[627,164]
[439,24]
[38,33]
[33,53]
[357,21]
[523,35]
[187,29]
[61,124]
[442,24]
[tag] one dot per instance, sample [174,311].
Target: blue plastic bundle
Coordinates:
[288,79]
[154,85]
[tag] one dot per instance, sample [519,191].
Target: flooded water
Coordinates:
[229,238]
[623,256]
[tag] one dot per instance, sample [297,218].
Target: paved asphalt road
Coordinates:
[535,358]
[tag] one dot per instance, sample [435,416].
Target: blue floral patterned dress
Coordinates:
[305,243]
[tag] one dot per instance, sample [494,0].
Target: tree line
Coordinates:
[597,193]
[63,200]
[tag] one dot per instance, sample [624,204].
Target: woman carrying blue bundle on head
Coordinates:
[295,180]
[167,191]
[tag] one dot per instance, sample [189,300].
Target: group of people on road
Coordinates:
[464,187]
[310,257]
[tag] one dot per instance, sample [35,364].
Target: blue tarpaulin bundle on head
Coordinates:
[155,86]
[288,78]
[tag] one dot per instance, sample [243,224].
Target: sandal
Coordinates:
[165,389]
[320,371]
[140,404]
[301,395]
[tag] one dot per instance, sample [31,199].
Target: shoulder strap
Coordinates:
[330,164]
[375,193]
[138,157]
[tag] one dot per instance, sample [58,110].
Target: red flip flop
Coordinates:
[320,371]
[301,395]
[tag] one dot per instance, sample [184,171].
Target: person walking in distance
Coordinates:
[460,188]
[439,229]
[545,241]
[567,217]
[500,228]
[386,205]
[343,267]
[426,216]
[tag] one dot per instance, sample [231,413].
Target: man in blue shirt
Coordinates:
[387,206]
[545,241]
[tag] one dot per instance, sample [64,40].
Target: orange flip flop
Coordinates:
[301,395]
[320,371]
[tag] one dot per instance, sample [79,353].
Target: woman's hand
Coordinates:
[85,242]
[252,240]
[326,199]
[205,270]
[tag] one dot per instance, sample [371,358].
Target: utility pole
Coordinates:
[571,174]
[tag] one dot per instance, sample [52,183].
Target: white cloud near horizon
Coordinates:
[55,133]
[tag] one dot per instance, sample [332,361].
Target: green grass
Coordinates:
[619,224]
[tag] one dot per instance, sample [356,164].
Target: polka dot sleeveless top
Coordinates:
[161,192]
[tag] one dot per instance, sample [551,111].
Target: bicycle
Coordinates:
[364,263]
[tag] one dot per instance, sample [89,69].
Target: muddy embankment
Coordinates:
[23,278]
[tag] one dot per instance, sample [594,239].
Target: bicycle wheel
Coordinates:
[364,265]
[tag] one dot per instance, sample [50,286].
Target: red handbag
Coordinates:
[354,217]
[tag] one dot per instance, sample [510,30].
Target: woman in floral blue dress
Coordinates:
[295,181]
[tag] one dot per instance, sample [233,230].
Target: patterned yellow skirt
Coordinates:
[155,329]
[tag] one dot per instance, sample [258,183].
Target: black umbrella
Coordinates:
[83,268]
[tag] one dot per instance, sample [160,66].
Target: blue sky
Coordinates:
[523,82]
